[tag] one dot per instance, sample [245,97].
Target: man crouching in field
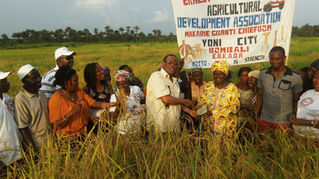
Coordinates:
[163,98]
[31,106]
[63,57]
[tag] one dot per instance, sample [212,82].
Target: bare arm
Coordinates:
[170,100]
[64,120]
[259,102]
[102,105]
[191,112]
[303,122]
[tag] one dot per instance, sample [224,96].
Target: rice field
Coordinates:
[108,155]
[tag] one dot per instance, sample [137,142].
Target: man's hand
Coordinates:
[193,113]
[108,105]
[293,120]
[75,109]
[189,103]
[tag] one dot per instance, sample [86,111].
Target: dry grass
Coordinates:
[109,155]
[184,155]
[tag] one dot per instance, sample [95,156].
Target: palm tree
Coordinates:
[136,28]
[121,37]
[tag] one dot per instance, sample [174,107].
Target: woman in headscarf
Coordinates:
[249,119]
[222,101]
[245,93]
[129,97]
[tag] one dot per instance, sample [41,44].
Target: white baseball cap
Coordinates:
[24,70]
[63,51]
[4,75]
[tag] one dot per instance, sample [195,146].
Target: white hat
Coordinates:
[24,70]
[4,75]
[63,51]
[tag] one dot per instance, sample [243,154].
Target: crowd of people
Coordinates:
[263,101]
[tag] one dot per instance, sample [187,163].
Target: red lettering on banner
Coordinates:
[197,33]
[240,49]
[223,32]
[226,55]
[193,2]
[254,29]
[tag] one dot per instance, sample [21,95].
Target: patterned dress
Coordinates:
[245,114]
[224,104]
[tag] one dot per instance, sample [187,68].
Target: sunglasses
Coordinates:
[69,57]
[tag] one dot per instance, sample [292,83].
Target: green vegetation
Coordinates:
[127,34]
[46,37]
[109,155]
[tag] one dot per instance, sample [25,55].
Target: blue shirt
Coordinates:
[47,86]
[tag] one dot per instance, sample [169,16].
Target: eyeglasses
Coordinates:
[69,57]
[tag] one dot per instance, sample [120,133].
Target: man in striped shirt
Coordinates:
[63,57]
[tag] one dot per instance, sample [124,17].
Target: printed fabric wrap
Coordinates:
[122,75]
[224,104]
[222,66]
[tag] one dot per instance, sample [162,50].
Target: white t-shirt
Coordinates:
[308,108]
[134,111]
[10,146]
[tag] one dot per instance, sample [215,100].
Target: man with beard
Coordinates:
[280,89]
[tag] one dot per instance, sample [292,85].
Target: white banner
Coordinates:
[239,31]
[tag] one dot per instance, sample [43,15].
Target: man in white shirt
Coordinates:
[163,100]
[10,146]
[63,57]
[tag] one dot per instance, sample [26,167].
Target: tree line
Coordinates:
[305,31]
[127,34]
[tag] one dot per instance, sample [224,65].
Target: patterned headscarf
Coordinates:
[221,66]
[122,75]
[254,73]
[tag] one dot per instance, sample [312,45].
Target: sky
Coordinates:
[19,15]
